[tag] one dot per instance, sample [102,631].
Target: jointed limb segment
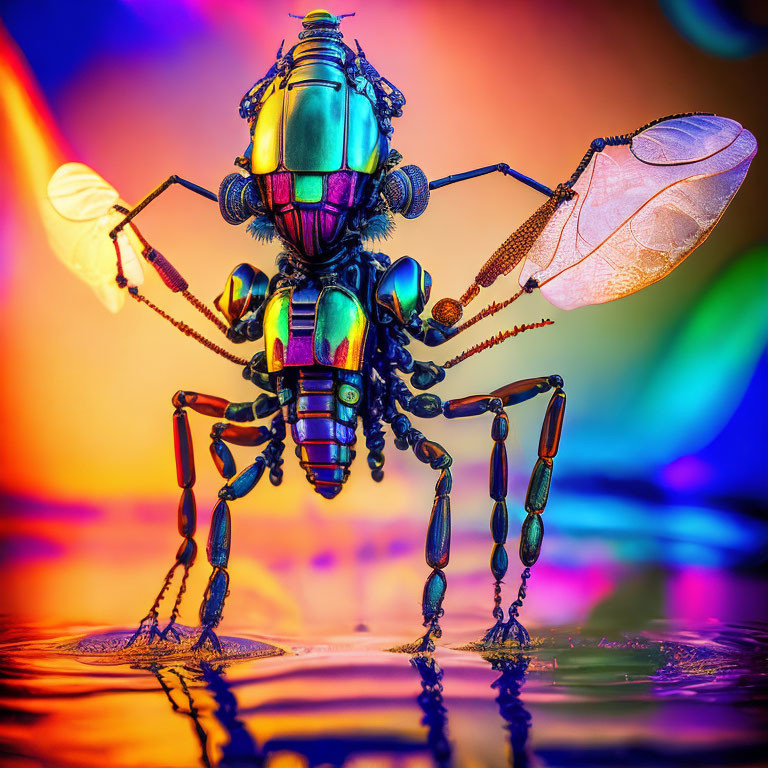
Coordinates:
[438,543]
[187,522]
[538,488]
[220,539]
[498,480]
[159,191]
[219,542]
[501,168]
[218,407]
[185,474]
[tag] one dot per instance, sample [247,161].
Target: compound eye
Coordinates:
[406,191]
[238,198]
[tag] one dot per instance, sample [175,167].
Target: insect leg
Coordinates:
[437,550]
[374,442]
[237,435]
[218,407]
[219,540]
[538,488]
[221,455]
[276,447]
[187,522]
[225,464]
[497,481]
[208,405]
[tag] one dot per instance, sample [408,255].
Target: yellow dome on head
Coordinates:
[320,20]
[320,15]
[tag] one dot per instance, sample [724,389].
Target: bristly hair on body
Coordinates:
[262,229]
[380,226]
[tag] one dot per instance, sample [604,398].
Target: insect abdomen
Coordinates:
[323,425]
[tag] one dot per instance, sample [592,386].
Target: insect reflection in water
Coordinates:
[184,687]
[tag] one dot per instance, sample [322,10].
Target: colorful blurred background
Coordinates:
[658,502]
[663,460]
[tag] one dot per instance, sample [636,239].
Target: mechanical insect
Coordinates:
[334,323]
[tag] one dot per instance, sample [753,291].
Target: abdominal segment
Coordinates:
[321,407]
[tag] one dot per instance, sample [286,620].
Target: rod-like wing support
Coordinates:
[501,168]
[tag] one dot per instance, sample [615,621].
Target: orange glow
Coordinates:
[26,125]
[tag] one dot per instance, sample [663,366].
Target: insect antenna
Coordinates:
[173,279]
[494,340]
[168,273]
[490,310]
[504,259]
[188,330]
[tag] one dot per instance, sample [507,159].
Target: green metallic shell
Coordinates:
[362,133]
[531,537]
[267,133]
[538,486]
[404,288]
[276,327]
[315,112]
[338,336]
[315,121]
[308,187]
[340,329]
[243,292]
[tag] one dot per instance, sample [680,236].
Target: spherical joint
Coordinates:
[447,312]
[238,198]
[406,191]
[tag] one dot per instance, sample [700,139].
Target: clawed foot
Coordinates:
[148,626]
[147,622]
[516,632]
[494,634]
[171,630]
[207,634]
[512,631]
[424,645]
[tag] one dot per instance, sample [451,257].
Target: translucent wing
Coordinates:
[639,210]
[78,193]
[78,218]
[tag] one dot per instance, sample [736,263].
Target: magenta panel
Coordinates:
[308,224]
[282,192]
[340,188]
[327,225]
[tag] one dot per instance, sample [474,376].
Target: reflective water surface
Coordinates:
[663,697]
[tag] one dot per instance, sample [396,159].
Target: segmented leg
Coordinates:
[374,442]
[220,537]
[187,521]
[437,550]
[276,448]
[538,488]
[207,405]
[497,482]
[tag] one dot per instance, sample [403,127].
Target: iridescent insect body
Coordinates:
[336,319]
